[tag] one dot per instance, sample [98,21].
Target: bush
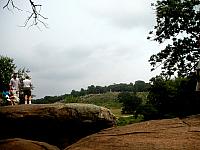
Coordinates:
[130,102]
[174,97]
[148,111]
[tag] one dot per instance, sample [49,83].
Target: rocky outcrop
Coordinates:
[56,124]
[22,144]
[64,124]
[166,134]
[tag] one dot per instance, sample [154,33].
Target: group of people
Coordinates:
[17,89]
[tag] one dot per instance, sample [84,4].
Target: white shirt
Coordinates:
[14,84]
[27,83]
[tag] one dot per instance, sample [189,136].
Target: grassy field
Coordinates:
[108,100]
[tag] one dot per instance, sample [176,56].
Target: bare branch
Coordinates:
[6,6]
[15,7]
[46,25]
[10,2]
[35,16]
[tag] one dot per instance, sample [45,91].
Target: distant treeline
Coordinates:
[139,86]
[50,99]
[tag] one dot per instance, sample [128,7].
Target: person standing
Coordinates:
[27,85]
[14,85]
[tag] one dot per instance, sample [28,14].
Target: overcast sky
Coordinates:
[88,42]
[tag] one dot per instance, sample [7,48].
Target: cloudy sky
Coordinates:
[87,42]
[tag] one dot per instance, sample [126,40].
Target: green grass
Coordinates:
[108,99]
[128,120]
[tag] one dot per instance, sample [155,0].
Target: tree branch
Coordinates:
[35,15]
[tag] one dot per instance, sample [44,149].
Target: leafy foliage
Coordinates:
[141,86]
[7,68]
[148,111]
[175,97]
[130,102]
[143,96]
[178,23]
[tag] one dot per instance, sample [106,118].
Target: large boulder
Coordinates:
[22,144]
[57,124]
[166,134]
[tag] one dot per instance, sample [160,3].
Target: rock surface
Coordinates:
[166,134]
[56,124]
[22,144]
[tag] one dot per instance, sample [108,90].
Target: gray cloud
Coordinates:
[124,14]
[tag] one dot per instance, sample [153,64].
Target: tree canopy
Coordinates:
[7,68]
[176,96]
[130,102]
[178,26]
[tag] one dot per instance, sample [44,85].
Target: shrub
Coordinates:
[148,111]
[174,97]
[130,102]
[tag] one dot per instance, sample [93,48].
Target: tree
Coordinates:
[148,111]
[173,97]
[83,92]
[75,93]
[7,68]
[122,87]
[162,95]
[178,25]
[91,89]
[130,102]
[140,86]
[35,16]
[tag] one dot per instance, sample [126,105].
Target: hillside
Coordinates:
[108,99]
